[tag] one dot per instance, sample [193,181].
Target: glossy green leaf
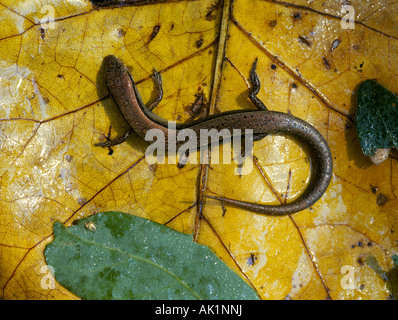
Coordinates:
[120,256]
[376,118]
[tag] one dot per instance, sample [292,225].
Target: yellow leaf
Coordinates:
[55,106]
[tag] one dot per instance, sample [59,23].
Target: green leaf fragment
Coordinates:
[114,255]
[390,276]
[377,118]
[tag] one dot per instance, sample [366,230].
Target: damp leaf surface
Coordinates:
[120,256]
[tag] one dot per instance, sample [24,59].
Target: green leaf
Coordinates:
[395,259]
[390,276]
[377,118]
[114,255]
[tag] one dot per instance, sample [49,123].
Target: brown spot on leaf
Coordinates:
[42,32]
[155,31]
[326,63]
[198,108]
[296,15]
[121,33]
[212,11]
[199,43]
[153,167]
[374,189]
[305,41]
[81,201]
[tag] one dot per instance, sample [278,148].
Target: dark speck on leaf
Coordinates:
[251,259]
[381,199]
[304,41]
[297,15]
[326,63]
[155,31]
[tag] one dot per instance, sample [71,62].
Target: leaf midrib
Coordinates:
[195,294]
